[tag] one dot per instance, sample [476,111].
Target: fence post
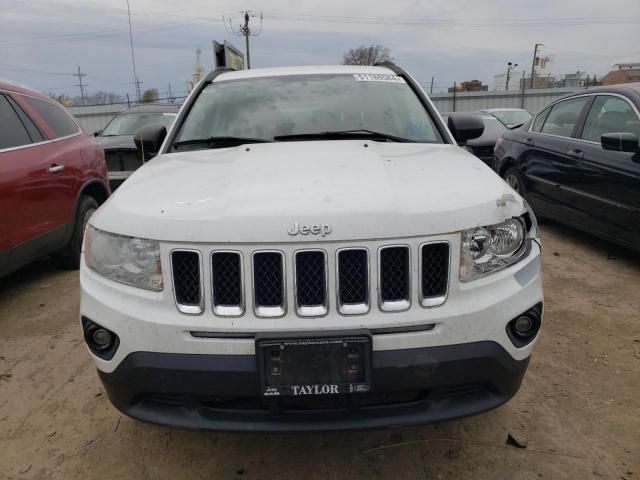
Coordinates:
[523,86]
[454,96]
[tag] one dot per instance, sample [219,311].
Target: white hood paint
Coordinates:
[254,193]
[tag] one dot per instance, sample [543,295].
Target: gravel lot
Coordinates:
[579,407]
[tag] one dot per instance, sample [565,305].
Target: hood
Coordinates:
[117,142]
[361,190]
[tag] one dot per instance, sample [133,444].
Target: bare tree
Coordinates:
[364,55]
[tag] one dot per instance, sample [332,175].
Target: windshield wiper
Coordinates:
[219,142]
[359,133]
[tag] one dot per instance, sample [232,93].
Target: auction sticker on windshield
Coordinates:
[378,77]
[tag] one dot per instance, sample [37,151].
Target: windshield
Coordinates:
[264,108]
[512,117]
[130,123]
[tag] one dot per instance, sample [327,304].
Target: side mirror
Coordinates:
[97,133]
[149,139]
[620,142]
[465,126]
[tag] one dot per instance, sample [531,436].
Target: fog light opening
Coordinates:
[523,326]
[102,339]
[523,329]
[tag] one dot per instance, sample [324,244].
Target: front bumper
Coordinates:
[220,392]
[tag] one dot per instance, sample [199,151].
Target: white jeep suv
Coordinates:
[311,250]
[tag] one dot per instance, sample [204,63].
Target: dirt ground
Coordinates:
[578,409]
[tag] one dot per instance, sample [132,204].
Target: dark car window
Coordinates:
[563,117]
[58,120]
[539,121]
[306,104]
[12,132]
[610,114]
[34,132]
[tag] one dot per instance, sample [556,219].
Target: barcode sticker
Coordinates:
[378,77]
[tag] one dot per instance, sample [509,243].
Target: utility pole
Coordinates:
[431,87]
[136,81]
[82,86]
[244,29]
[170,96]
[533,63]
[510,66]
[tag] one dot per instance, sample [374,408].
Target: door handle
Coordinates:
[528,141]
[576,153]
[56,168]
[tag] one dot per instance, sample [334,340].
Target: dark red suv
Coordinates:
[53,176]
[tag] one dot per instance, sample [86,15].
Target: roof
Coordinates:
[306,70]
[153,107]
[630,90]
[489,110]
[9,86]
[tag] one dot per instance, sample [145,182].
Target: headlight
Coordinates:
[487,249]
[130,260]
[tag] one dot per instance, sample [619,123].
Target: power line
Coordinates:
[517,22]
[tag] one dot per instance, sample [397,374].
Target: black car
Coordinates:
[117,138]
[482,147]
[578,162]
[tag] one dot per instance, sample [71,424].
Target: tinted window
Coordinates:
[307,104]
[130,123]
[34,133]
[609,115]
[57,119]
[12,131]
[563,117]
[539,121]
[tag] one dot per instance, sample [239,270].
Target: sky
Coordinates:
[43,42]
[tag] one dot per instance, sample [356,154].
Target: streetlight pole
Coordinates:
[510,66]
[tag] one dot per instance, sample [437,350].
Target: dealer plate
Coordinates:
[322,364]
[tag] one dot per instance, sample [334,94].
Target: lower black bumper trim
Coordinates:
[221,392]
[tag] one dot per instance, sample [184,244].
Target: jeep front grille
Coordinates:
[394,277]
[353,281]
[187,280]
[434,273]
[311,283]
[227,283]
[404,275]
[269,284]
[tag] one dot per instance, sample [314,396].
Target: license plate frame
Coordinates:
[319,363]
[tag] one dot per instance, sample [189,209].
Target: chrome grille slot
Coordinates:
[353,281]
[187,280]
[311,283]
[394,275]
[269,284]
[434,264]
[227,283]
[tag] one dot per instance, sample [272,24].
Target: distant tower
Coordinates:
[197,68]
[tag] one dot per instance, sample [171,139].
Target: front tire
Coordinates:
[69,259]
